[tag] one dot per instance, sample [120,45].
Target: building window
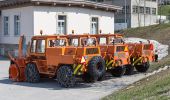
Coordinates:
[16,24]
[94,25]
[61,24]
[6,25]
[142,10]
[127,9]
[148,11]
[135,9]
[154,11]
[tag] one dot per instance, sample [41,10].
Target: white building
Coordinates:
[52,17]
[138,12]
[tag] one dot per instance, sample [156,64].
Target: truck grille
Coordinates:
[92,51]
[120,48]
[121,55]
[147,53]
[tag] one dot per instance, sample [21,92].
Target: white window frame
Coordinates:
[141,9]
[154,11]
[135,9]
[147,10]
[92,24]
[5,28]
[17,25]
[59,29]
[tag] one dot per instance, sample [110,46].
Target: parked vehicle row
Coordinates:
[68,57]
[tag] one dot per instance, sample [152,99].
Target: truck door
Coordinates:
[38,54]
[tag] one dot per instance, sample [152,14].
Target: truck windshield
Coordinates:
[57,42]
[74,42]
[102,41]
[120,48]
[88,41]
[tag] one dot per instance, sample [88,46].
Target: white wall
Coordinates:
[0,25]
[78,19]
[34,19]
[26,22]
[147,19]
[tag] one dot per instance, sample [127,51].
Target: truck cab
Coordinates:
[64,58]
[115,52]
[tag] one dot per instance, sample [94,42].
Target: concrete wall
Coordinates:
[0,24]
[26,24]
[145,19]
[120,15]
[78,19]
[132,18]
[36,18]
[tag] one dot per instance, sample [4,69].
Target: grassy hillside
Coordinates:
[156,87]
[160,32]
[165,10]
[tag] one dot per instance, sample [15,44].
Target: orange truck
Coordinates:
[115,52]
[59,58]
[141,54]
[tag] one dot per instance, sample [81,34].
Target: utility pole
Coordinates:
[125,12]
[138,2]
[160,7]
[144,11]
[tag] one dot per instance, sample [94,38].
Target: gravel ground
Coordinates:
[49,89]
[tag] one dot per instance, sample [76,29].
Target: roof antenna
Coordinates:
[100,31]
[41,32]
[72,32]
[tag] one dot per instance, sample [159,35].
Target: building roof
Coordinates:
[6,4]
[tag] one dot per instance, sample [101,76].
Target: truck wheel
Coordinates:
[129,69]
[65,77]
[31,73]
[96,69]
[86,78]
[142,68]
[118,71]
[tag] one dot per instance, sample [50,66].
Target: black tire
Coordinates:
[118,71]
[143,67]
[31,73]
[66,77]
[156,58]
[129,69]
[86,78]
[96,69]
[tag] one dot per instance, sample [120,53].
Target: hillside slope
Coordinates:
[155,87]
[160,32]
